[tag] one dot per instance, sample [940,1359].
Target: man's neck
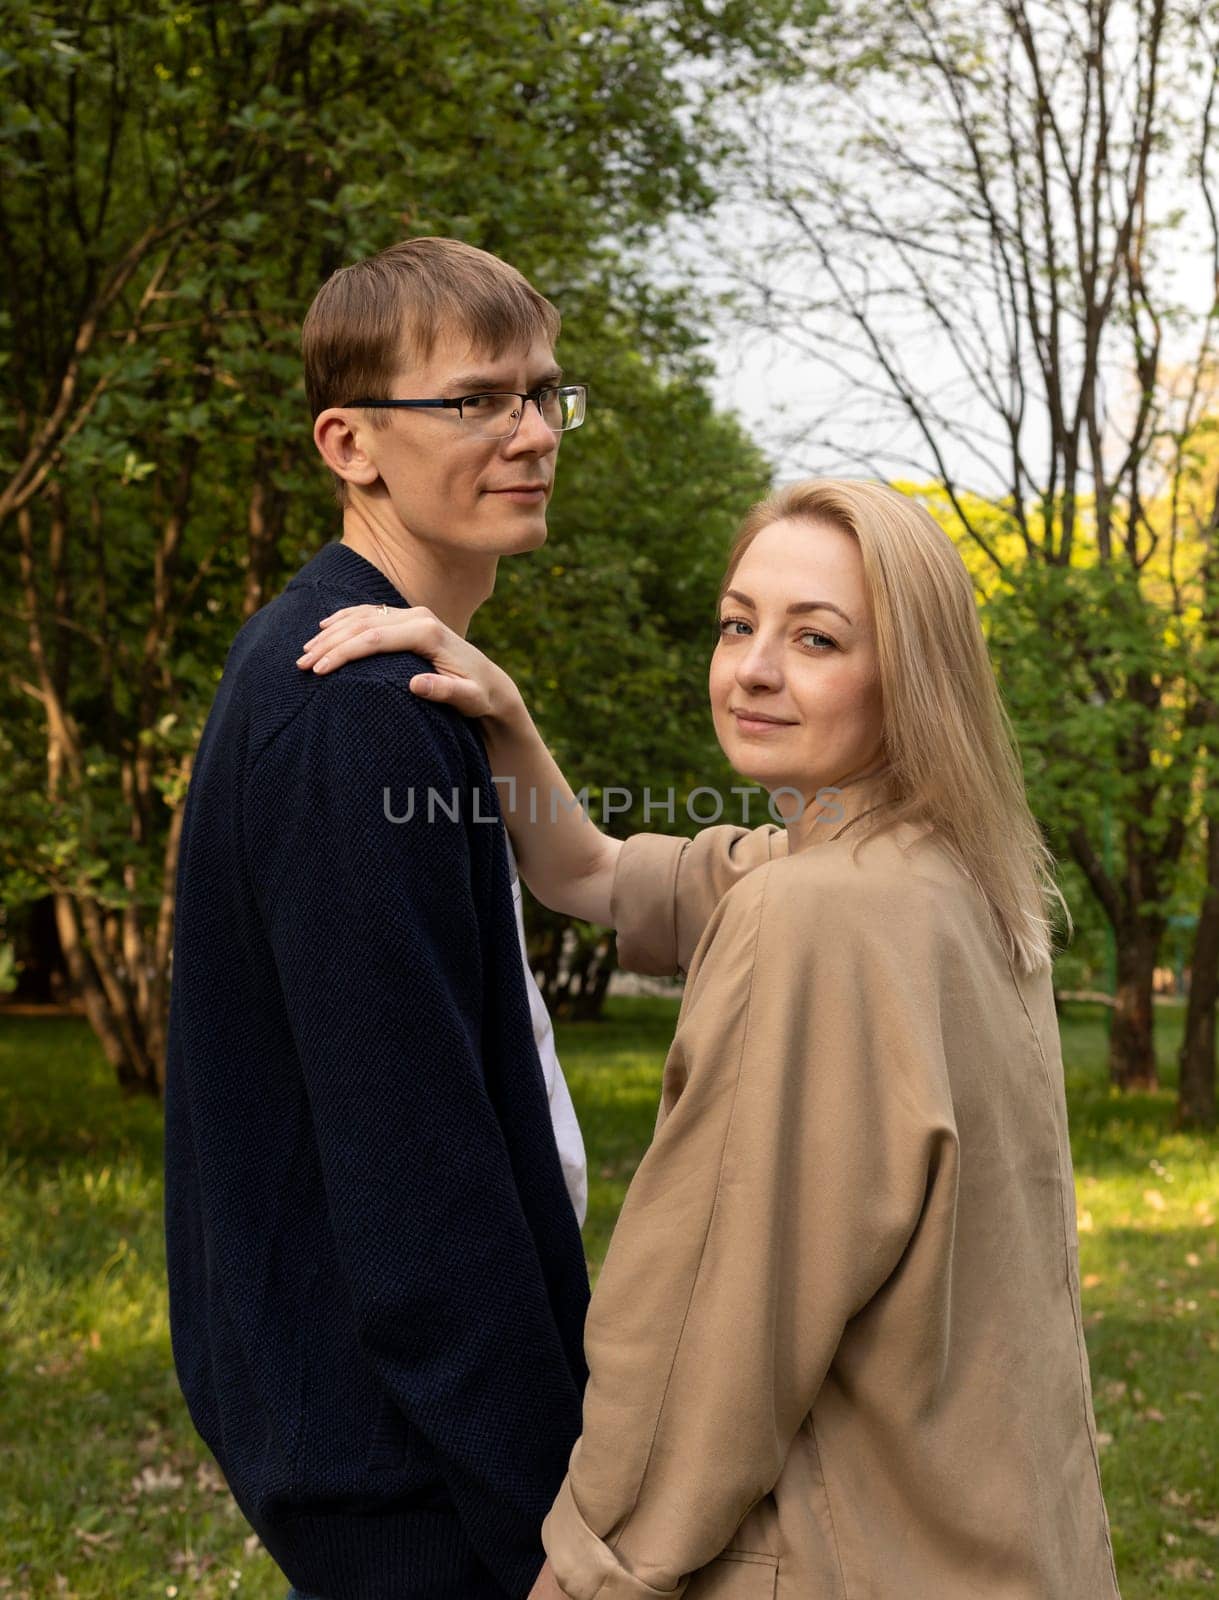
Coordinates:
[454,592]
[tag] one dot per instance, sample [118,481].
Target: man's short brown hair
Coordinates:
[368,317]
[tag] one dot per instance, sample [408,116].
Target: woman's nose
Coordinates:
[759,667]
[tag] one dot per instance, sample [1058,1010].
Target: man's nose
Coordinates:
[533,435]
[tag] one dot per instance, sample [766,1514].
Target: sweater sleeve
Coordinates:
[666,887]
[376,939]
[805,1112]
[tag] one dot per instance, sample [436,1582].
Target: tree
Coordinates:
[1197,508]
[976,216]
[177,184]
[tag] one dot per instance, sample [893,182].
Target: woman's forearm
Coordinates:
[561,854]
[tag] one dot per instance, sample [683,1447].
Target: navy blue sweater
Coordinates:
[377,1280]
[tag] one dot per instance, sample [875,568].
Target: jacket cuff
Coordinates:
[643,900]
[584,1565]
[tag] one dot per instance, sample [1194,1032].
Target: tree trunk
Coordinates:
[1196,1094]
[121,1042]
[578,994]
[544,940]
[1136,935]
[1132,1058]
[596,963]
[265,519]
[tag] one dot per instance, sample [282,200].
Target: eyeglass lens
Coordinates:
[498,414]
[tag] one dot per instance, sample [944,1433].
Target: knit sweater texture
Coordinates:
[377,1280]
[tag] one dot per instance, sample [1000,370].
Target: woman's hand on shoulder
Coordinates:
[464,677]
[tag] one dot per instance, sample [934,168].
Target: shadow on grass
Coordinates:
[62,1099]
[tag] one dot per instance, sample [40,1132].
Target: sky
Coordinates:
[811,420]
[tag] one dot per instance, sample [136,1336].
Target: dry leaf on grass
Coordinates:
[156,1480]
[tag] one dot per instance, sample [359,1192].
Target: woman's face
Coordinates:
[814,669]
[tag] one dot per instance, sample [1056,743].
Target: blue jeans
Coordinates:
[295,1594]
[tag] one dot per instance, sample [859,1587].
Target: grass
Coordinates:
[106,1492]
[1148,1199]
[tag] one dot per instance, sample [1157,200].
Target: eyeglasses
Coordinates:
[498,415]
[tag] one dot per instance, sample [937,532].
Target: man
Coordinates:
[377,1280]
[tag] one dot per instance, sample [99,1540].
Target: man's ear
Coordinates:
[340,440]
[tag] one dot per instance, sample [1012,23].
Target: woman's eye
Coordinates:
[808,633]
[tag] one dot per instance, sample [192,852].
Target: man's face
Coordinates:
[444,483]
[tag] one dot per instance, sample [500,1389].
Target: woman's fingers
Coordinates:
[460,693]
[348,643]
[462,677]
[365,610]
[354,619]
[400,628]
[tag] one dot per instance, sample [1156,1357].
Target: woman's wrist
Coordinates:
[556,843]
[508,712]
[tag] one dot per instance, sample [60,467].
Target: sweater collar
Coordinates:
[338,566]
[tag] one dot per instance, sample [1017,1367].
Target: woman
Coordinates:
[836,1346]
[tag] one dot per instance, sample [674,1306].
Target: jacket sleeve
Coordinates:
[805,1108]
[376,938]
[666,887]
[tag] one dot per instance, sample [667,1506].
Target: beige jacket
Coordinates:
[835,1350]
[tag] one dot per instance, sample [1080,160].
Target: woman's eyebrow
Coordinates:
[798,609]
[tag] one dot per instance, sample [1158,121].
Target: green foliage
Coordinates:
[1071,645]
[1098,671]
[1095,674]
[178,182]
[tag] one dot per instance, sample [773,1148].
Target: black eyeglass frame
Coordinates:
[456,404]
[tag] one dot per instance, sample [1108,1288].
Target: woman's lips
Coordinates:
[757,725]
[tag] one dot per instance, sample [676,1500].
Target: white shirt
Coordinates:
[567,1133]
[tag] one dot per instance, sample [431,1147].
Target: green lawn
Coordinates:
[105,1491]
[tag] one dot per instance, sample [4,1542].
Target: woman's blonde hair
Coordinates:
[949,746]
